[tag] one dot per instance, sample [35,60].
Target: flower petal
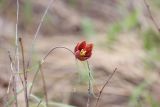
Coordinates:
[77,54]
[89,47]
[82,45]
[76,48]
[88,54]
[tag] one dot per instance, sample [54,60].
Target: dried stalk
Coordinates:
[53,50]
[13,73]
[42,75]
[13,80]
[44,87]
[37,31]
[34,78]
[101,91]
[16,42]
[151,16]
[9,84]
[42,61]
[24,73]
[41,21]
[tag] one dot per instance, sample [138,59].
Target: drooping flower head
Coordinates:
[83,51]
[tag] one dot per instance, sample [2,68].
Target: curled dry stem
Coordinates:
[42,75]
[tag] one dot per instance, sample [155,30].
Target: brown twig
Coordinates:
[44,86]
[12,68]
[24,73]
[13,80]
[42,61]
[151,16]
[39,69]
[100,93]
[60,47]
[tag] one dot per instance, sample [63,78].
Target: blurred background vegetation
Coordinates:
[123,34]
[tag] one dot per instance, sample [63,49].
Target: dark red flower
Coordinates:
[83,51]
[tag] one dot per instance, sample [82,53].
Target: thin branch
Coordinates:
[13,79]
[17,19]
[54,49]
[24,73]
[89,89]
[89,84]
[9,84]
[34,78]
[38,29]
[42,61]
[16,55]
[42,19]
[14,91]
[39,69]
[39,103]
[151,16]
[12,68]
[44,87]
[101,91]
[17,49]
